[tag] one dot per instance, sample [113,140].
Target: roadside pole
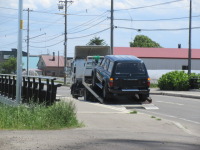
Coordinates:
[19,53]
[190,33]
[111,27]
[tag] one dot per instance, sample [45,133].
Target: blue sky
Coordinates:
[90,18]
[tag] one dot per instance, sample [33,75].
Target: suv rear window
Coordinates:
[130,68]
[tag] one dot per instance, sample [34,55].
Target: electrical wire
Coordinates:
[88,27]
[48,39]
[9,44]
[89,34]
[158,19]
[89,22]
[12,29]
[177,29]
[50,12]
[48,45]
[141,7]
[8,8]
[46,26]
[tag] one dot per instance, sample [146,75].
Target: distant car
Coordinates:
[121,75]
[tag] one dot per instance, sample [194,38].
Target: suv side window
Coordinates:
[110,66]
[103,62]
[106,64]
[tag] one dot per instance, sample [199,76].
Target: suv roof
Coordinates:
[123,58]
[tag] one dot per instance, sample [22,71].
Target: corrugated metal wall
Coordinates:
[169,64]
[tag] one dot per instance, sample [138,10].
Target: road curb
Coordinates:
[176,95]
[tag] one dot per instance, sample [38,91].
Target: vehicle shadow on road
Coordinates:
[125,100]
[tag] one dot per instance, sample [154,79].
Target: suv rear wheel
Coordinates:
[106,94]
[143,97]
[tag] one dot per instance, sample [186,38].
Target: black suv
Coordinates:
[121,75]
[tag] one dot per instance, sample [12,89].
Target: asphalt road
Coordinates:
[178,109]
[112,127]
[184,112]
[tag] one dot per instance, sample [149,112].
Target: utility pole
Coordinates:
[190,33]
[58,59]
[111,28]
[19,53]
[60,6]
[28,30]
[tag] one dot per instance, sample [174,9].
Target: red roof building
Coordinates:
[51,65]
[162,58]
[172,53]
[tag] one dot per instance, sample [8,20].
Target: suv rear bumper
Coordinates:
[129,91]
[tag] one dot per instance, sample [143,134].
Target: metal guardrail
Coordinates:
[34,89]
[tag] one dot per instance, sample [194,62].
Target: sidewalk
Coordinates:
[188,94]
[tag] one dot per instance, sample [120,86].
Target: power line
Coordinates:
[8,8]
[13,29]
[89,34]
[48,39]
[177,29]
[9,44]
[90,21]
[48,45]
[150,5]
[157,19]
[50,13]
[88,27]
[47,26]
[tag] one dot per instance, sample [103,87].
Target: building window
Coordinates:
[184,67]
[6,56]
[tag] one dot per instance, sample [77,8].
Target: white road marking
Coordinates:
[170,103]
[150,106]
[86,112]
[180,98]
[195,122]
[122,109]
[182,127]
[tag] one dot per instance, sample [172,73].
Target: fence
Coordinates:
[34,89]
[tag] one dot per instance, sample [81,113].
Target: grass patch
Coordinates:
[59,115]
[156,118]
[153,85]
[133,112]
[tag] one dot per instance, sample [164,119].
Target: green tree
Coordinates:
[9,66]
[144,41]
[97,41]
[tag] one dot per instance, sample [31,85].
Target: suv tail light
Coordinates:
[111,83]
[148,82]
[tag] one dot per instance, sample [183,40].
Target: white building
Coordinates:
[163,58]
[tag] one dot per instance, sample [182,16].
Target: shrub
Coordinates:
[59,115]
[175,80]
[195,83]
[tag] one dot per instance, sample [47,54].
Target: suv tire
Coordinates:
[143,97]
[106,94]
